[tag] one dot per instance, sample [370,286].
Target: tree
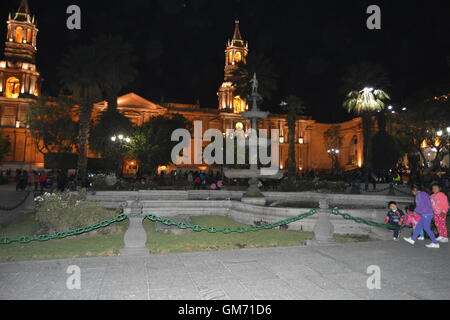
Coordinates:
[151,143]
[425,125]
[386,151]
[4,147]
[111,123]
[265,71]
[294,108]
[333,141]
[52,126]
[81,75]
[362,75]
[116,57]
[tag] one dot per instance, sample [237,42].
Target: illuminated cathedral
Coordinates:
[20,84]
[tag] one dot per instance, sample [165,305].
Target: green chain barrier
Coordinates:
[347,216]
[228,230]
[61,235]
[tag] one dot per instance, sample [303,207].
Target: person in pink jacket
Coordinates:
[439,201]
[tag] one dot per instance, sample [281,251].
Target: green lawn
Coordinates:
[104,245]
[158,242]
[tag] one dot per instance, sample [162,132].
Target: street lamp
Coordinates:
[121,139]
[334,154]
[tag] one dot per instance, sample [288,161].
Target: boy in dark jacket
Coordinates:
[395,217]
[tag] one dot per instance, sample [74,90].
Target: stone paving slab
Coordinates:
[326,272]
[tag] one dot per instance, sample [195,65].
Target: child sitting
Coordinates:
[395,218]
[413,219]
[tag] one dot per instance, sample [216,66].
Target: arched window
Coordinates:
[353,154]
[19,34]
[238,105]
[12,88]
[238,57]
[230,57]
[29,34]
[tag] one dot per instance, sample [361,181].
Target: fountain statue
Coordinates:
[253,194]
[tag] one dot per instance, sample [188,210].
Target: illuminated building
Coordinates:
[20,84]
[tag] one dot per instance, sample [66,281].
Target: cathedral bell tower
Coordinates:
[18,75]
[235,54]
[19,87]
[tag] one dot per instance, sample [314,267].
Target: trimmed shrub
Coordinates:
[59,212]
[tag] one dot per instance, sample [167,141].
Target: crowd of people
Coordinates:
[427,209]
[198,180]
[41,180]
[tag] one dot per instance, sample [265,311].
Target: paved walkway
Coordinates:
[331,272]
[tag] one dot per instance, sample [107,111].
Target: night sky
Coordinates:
[180,45]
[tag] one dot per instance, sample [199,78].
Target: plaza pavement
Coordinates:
[327,272]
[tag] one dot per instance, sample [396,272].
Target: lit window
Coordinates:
[238,57]
[12,88]
[29,35]
[238,105]
[19,35]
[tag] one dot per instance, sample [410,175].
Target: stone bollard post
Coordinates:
[135,238]
[391,189]
[355,188]
[324,229]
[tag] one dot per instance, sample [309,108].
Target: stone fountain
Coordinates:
[253,194]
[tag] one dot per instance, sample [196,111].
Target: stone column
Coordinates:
[135,238]
[324,229]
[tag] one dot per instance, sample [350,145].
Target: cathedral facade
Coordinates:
[20,84]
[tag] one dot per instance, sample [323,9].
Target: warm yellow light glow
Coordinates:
[19,34]
[161,168]
[238,105]
[424,144]
[239,126]
[238,57]
[12,88]
[437,142]
[29,35]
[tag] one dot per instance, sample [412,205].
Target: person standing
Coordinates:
[439,201]
[425,209]
[395,217]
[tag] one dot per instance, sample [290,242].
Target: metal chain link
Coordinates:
[347,216]
[61,235]
[17,205]
[228,230]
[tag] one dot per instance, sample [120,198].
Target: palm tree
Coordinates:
[294,108]
[80,74]
[366,103]
[117,59]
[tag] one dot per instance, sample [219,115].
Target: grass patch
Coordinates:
[73,247]
[166,242]
[158,242]
[348,238]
